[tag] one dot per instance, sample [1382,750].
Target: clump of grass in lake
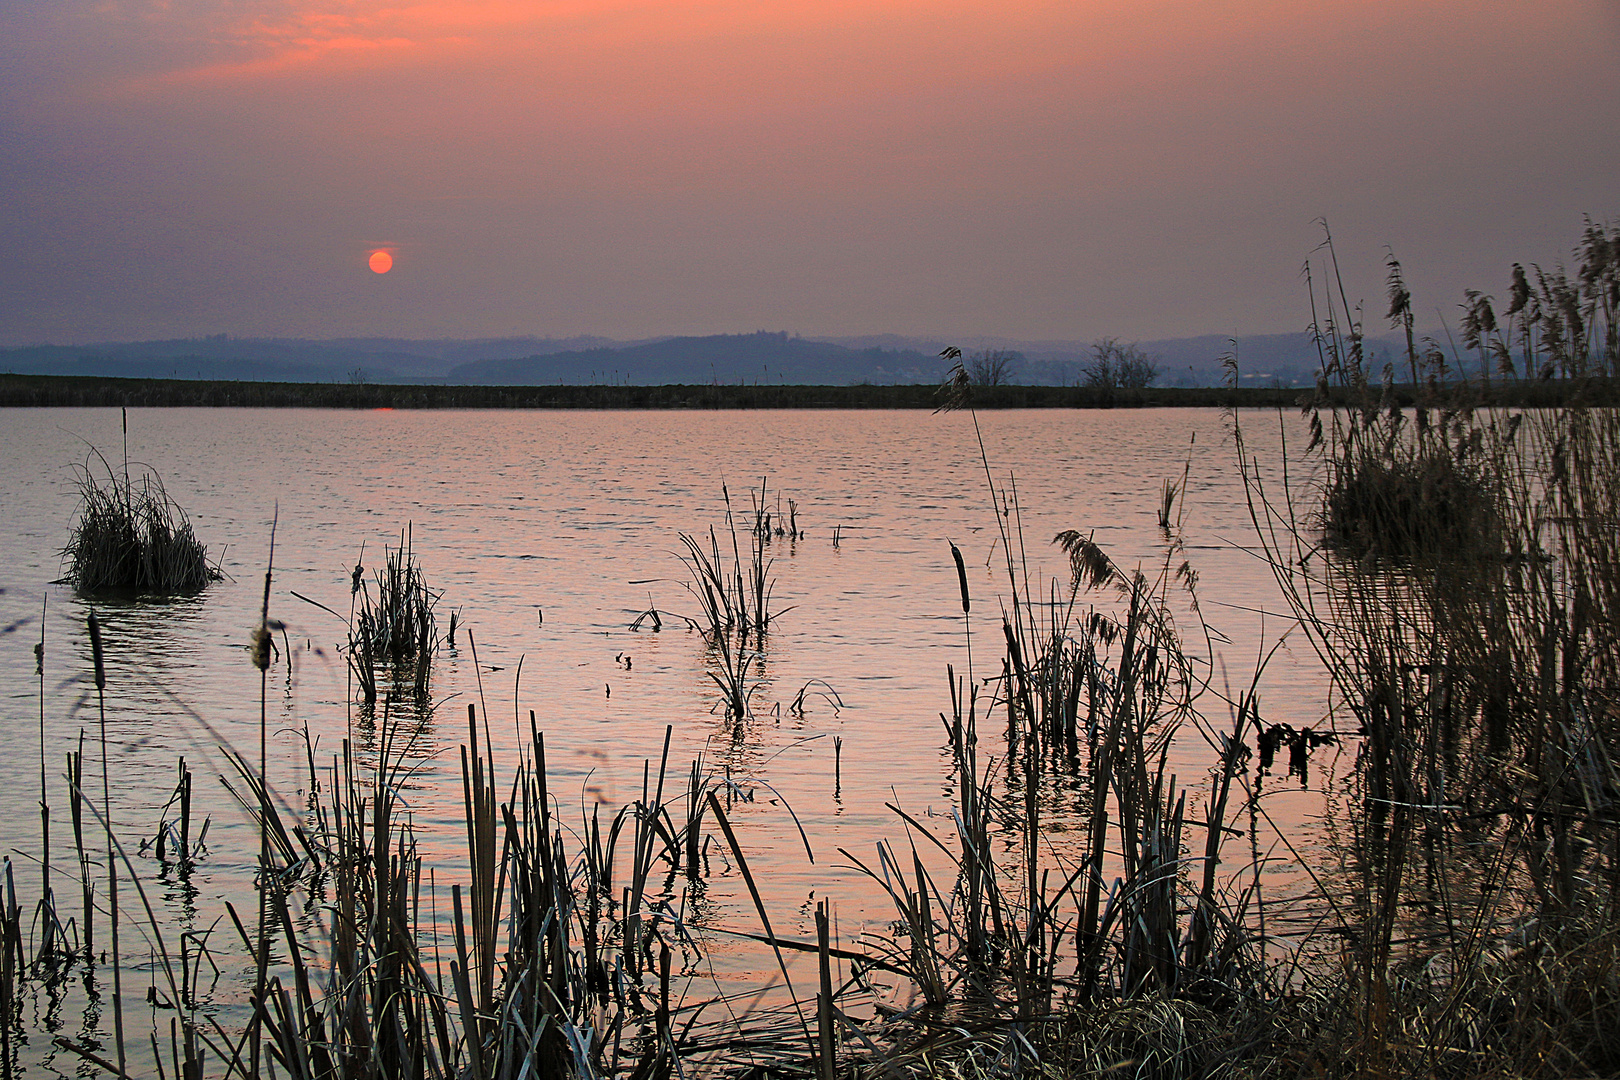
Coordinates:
[734,596]
[1430,484]
[130,536]
[393,629]
[1125,943]
[1470,629]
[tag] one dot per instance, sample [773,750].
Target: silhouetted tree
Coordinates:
[992,367]
[1120,367]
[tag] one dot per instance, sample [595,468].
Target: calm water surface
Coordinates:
[549,533]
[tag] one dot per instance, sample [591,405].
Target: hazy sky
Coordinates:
[1142,168]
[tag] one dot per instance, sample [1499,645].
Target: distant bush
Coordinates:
[993,367]
[1115,366]
[130,536]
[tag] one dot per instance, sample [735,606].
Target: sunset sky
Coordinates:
[1146,169]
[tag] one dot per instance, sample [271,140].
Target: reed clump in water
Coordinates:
[559,950]
[130,536]
[1412,486]
[734,596]
[1479,893]
[556,950]
[1422,502]
[1127,944]
[393,629]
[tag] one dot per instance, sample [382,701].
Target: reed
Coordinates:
[1133,949]
[1172,490]
[55,945]
[550,957]
[393,629]
[1131,922]
[734,597]
[130,536]
[553,969]
[536,965]
[1468,622]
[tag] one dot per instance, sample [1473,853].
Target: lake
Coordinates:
[549,533]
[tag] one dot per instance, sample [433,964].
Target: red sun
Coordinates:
[382,261]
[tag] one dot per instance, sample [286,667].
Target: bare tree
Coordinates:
[992,367]
[1120,367]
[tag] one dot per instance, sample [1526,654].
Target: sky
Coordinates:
[1033,170]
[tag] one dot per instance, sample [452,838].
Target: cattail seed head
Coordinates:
[96,654]
[261,647]
[961,575]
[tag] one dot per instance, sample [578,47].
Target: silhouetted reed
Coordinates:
[393,630]
[130,536]
[1462,586]
[551,956]
[734,598]
[1030,952]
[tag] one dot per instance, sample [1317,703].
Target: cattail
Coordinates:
[260,647]
[95,653]
[961,575]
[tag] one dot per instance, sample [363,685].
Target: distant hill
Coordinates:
[762,358]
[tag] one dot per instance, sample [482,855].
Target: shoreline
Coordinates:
[73,391]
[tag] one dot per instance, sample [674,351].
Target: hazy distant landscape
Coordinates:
[764,358]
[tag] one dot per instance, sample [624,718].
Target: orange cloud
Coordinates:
[270,39]
[294,54]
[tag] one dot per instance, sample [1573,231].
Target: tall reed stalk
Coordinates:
[1034,938]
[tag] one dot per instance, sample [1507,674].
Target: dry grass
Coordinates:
[1466,606]
[1126,950]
